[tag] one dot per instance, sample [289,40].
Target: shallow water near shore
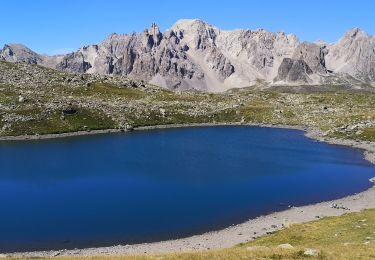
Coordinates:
[163,184]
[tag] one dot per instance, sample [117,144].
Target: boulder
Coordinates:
[129,128]
[310,252]
[69,110]
[285,246]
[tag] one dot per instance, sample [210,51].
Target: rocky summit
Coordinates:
[195,55]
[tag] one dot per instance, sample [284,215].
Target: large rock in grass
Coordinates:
[69,110]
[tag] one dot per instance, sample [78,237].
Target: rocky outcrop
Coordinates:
[150,56]
[313,55]
[307,59]
[236,58]
[354,54]
[220,64]
[294,71]
[74,62]
[20,53]
[195,55]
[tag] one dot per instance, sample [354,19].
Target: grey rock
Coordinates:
[21,99]
[313,55]
[220,64]
[20,53]
[354,54]
[286,246]
[310,252]
[74,62]
[69,110]
[195,55]
[293,71]
[129,128]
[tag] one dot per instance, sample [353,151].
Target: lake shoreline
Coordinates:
[234,234]
[139,128]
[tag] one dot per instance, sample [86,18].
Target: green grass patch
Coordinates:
[8,65]
[7,95]
[257,113]
[52,123]
[366,134]
[350,236]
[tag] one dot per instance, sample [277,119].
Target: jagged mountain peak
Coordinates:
[196,54]
[16,52]
[189,23]
[354,36]
[353,54]
[16,46]
[355,33]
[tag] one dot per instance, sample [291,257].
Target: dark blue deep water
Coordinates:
[162,184]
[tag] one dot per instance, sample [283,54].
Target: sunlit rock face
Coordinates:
[195,55]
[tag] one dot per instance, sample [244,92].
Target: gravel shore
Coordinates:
[141,128]
[235,234]
[56,136]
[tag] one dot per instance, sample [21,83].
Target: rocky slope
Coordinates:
[194,54]
[35,100]
[20,53]
[354,54]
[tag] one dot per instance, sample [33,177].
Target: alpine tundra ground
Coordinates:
[37,101]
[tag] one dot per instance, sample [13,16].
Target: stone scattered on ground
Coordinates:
[310,252]
[285,246]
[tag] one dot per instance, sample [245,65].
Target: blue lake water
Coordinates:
[162,184]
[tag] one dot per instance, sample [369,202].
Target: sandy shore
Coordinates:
[246,231]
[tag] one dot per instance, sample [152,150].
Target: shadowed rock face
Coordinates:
[313,55]
[74,62]
[220,64]
[141,56]
[194,54]
[294,71]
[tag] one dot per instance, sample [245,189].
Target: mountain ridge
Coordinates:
[193,54]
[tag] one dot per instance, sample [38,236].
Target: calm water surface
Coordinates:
[162,184]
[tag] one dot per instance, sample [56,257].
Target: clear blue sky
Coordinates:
[52,26]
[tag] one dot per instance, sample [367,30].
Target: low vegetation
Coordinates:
[33,98]
[99,106]
[47,102]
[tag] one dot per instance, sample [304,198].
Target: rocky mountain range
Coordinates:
[195,55]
